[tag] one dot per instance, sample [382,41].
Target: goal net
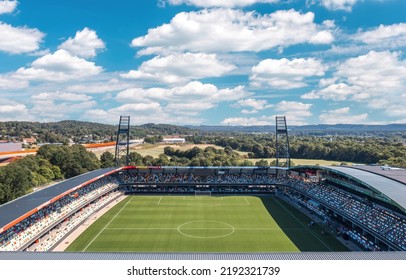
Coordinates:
[202,193]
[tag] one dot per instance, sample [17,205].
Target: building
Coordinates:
[29,141]
[173,140]
[10,146]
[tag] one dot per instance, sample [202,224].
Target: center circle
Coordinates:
[206,229]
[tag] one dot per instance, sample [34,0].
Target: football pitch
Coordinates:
[203,224]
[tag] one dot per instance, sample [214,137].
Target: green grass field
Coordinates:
[203,224]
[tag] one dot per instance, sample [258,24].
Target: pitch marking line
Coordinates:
[304,226]
[228,227]
[106,225]
[247,229]
[202,204]
[246,201]
[159,200]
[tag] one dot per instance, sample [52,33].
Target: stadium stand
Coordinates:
[367,221]
[86,200]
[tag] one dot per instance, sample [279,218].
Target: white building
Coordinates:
[173,140]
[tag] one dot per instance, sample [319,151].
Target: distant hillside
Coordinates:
[60,132]
[320,129]
[78,131]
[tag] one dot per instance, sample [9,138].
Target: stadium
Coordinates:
[212,209]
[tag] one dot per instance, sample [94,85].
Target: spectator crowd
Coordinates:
[83,200]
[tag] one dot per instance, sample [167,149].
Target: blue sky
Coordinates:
[211,62]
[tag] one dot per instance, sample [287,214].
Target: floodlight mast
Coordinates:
[282,143]
[123,141]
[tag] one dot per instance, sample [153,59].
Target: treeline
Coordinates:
[49,164]
[61,132]
[56,132]
[196,156]
[348,149]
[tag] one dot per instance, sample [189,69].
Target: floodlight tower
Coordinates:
[123,141]
[282,143]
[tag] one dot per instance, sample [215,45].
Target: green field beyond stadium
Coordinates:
[202,224]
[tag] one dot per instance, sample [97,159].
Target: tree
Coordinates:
[135,159]
[162,160]
[107,159]
[169,151]
[246,162]
[57,172]
[262,163]
[72,161]
[47,173]
[148,160]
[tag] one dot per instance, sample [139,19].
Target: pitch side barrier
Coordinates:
[54,199]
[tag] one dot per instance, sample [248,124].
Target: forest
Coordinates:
[61,132]
[368,150]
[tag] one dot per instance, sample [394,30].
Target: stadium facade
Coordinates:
[363,206]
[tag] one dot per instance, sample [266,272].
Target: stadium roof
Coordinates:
[391,188]
[17,208]
[398,174]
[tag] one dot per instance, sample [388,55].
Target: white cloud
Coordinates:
[246,112]
[254,104]
[8,83]
[284,73]
[58,95]
[142,113]
[189,100]
[59,66]
[85,44]
[345,5]
[263,120]
[8,109]
[51,109]
[380,38]
[342,116]
[377,80]
[376,73]
[138,108]
[11,110]
[193,91]
[225,30]
[180,68]
[7,6]
[337,92]
[217,3]
[17,40]
[385,36]
[108,85]
[299,107]
[296,114]
[151,116]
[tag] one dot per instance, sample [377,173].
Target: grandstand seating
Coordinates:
[37,224]
[60,217]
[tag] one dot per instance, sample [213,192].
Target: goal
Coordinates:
[202,193]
